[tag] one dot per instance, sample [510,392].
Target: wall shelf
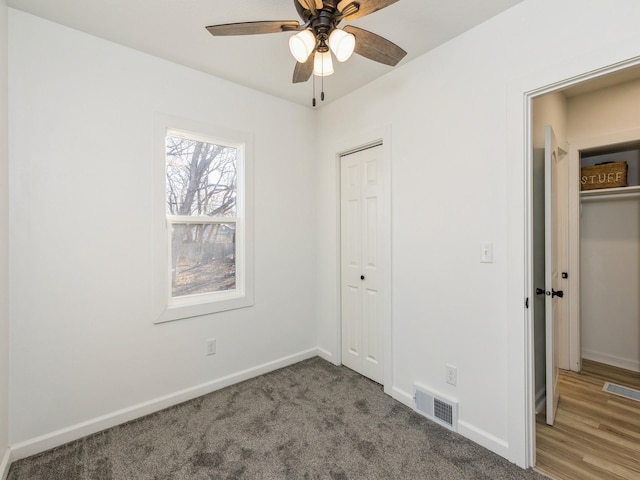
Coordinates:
[611,193]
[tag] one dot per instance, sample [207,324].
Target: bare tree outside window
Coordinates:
[202,209]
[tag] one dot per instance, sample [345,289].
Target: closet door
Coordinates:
[361,283]
[556,196]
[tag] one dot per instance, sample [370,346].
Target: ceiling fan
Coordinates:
[319,35]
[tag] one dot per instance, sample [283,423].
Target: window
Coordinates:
[208,262]
[202,215]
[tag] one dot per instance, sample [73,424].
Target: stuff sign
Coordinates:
[609,175]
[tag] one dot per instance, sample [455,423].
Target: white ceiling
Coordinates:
[174,30]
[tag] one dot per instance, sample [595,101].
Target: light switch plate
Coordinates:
[486,253]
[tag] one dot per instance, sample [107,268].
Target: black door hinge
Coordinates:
[526,302]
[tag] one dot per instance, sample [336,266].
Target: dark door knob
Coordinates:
[559,293]
[539,291]
[361,277]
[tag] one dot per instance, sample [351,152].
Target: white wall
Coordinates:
[610,281]
[458,180]
[610,238]
[81,158]
[4,238]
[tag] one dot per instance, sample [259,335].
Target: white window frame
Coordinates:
[166,307]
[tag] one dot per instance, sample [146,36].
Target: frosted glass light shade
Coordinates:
[322,64]
[342,44]
[301,45]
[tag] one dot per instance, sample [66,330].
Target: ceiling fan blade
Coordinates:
[253,28]
[312,5]
[363,7]
[303,71]
[375,47]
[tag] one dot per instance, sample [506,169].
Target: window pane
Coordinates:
[201,178]
[203,258]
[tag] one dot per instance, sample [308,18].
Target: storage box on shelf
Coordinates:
[607,175]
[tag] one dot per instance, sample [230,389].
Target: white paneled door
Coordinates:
[556,226]
[362,275]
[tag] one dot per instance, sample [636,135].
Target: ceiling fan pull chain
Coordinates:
[322,82]
[314,90]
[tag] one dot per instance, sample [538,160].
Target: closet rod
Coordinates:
[611,196]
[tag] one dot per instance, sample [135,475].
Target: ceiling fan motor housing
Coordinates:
[330,6]
[322,25]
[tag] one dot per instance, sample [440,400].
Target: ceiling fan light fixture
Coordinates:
[322,64]
[342,44]
[302,45]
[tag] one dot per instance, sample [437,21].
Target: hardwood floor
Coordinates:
[596,435]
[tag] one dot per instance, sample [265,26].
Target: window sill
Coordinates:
[180,312]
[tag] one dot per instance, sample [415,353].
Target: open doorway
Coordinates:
[592,119]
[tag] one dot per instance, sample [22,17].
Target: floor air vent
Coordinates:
[436,407]
[621,391]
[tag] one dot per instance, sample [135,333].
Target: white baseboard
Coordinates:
[95,425]
[5,463]
[488,441]
[402,396]
[326,355]
[465,429]
[626,363]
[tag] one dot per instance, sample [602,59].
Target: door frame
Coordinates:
[520,286]
[351,144]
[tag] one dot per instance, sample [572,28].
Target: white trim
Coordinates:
[573,234]
[485,439]
[95,425]
[351,143]
[402,397]
[632,364]
[326,355]
[520,325]
[5,464]
[164,309]
[465,429]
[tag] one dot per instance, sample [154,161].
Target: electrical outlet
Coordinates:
[451,375]
[211,346]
